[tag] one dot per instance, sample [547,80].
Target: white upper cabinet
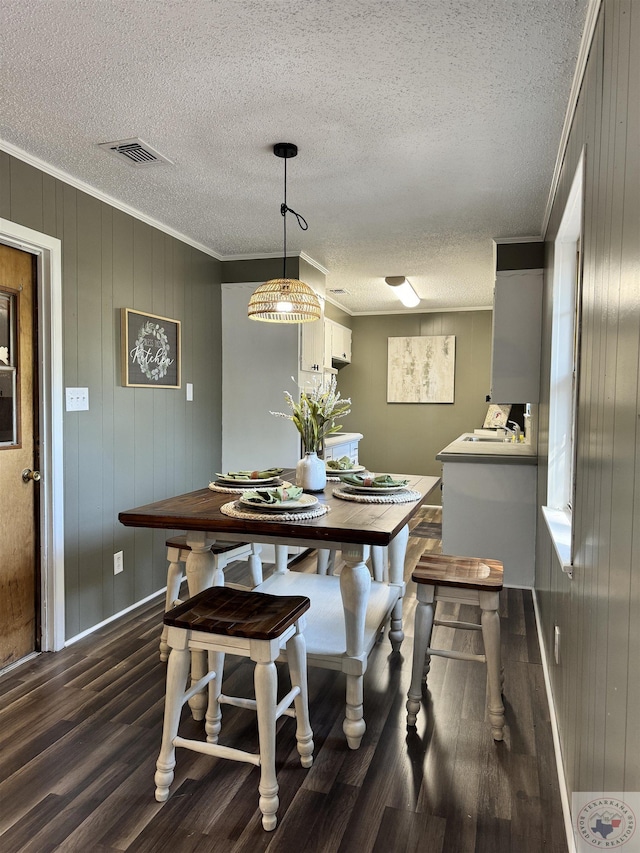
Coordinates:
[341,343]
[312,344]
[517,323]
[337,343]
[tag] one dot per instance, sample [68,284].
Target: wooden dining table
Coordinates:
[353,528]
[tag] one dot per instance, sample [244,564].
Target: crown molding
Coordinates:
[260,256]
[339,305]
[499,241]
[593,10]
[61,175]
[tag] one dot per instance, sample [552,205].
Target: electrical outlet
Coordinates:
[118,562]
[556,644]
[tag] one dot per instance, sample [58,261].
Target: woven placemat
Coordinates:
[234,511]
[396,498]
[238,490]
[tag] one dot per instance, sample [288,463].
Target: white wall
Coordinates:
[258,363]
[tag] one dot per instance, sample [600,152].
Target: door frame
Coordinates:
[48,253]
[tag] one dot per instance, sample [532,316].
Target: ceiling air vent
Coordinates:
[338,290]
[135,152]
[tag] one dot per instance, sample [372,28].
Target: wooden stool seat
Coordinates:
[463,572]
[234,613]
[220,620]
[458,580]
[224,553]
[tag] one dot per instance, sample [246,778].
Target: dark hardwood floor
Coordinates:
[80,732]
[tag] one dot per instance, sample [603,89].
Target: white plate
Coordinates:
[336,472]
[235,481]
[225,484]
[373,489]
[303,502]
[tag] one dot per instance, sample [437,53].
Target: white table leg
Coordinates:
[200,571]
[282,555]
[378,559]
[255,564]
[325,561]
[421,636]
[355,583]
[200,563]
[397,551]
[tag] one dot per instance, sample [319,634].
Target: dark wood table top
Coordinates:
[347,521]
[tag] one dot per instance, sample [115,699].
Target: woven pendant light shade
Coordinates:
[284,300]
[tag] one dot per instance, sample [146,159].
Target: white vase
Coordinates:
[311,473]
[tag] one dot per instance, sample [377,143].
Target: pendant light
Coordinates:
[285,300]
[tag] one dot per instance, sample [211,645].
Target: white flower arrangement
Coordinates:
[314,414]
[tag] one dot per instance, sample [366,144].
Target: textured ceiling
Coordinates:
[425,128]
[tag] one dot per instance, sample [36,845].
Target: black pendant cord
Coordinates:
[302,222]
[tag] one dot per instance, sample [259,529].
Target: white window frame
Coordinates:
[563,392]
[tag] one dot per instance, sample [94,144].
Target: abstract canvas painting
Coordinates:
[421,369]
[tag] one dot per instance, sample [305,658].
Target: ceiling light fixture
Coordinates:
[404,291]
[285,300]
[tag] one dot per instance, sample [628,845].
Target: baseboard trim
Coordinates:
[564,793]
[115,616]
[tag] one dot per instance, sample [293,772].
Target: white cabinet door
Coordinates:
[517,324]
[328,342]
[342,345]
[312,346]
[340,337]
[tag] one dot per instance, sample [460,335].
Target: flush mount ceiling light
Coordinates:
[285,300]
[404,291]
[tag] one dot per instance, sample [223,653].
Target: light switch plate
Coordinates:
[77,399]
[189,392]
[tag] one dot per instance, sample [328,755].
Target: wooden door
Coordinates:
[19,566]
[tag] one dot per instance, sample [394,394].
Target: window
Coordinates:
[8,413]
[565,340]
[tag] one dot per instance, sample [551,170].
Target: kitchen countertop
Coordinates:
[342,438]
[462,450]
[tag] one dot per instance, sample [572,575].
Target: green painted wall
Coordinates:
[595,684]
[332,312]
[259,269]
[134,445]
[405,437]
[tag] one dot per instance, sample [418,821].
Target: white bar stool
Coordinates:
[220,620]
[460,580]
[224,553]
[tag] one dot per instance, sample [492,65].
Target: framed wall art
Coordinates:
[421,369]
[150,350]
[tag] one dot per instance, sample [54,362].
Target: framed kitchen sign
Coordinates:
[150,350]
